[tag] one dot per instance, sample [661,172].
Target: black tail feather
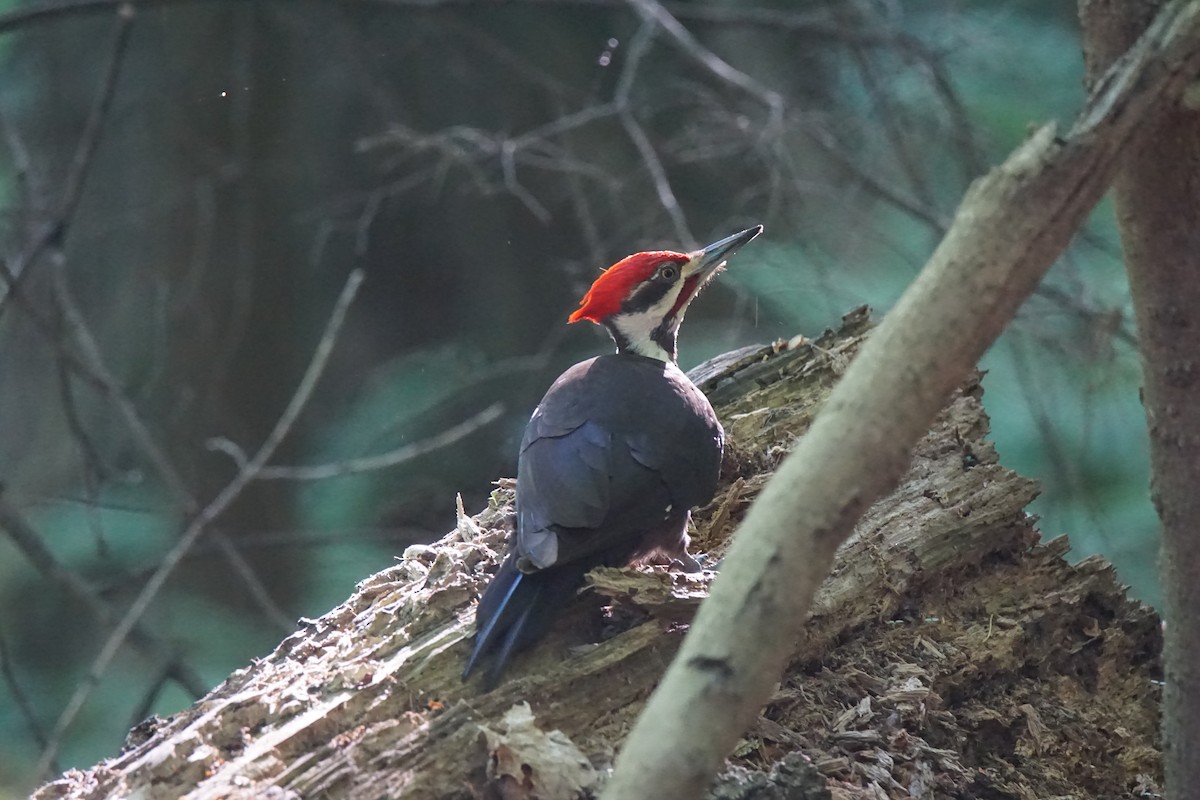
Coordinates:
[512,641]
[516,611]
[492,604]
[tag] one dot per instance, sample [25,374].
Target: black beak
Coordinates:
[709,258]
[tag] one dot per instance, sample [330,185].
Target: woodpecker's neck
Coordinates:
[645,335]
[647,323]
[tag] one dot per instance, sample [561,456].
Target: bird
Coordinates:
[616,455]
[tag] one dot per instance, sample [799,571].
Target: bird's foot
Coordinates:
[685,562]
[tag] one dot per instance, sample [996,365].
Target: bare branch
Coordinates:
[20,698]
[652,10]
[29,543]
[204,519]
[1012,225]
[146,443]
[408,452]
[889,117]
[662,184]
[24,172]
[54,231]
[92,464]
[81,333]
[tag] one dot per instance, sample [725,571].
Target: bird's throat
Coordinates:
[646,335]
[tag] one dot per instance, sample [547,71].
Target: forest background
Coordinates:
[186,187]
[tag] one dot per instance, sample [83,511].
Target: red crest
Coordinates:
[614,285]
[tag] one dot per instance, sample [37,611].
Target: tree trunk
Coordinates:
[948,654]
[1157,194]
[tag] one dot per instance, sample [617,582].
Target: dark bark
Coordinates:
[1157,198]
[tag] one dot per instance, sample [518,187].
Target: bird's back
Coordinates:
[616,440]
[613,459]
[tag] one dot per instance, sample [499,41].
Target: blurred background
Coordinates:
[186,188]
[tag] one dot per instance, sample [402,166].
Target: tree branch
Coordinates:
[1156,190]
[367,701]
[26,539]
[52,232]
[206,517]
[92,360]
[1011,226]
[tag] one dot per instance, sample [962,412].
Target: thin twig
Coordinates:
[408,452]
[26,539]
[890,120]
[20,698]
[817,25]
[690,46]
[638,49]
[914,207]
[92,463]
[204,519]
[662,184]
[54,231]
[970,154]
[148,445]
[25,173]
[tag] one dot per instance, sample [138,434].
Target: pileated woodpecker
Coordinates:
[616,455]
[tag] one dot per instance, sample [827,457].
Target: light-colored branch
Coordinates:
[353,466]
[1011,226]
[662,183]
[690,46]
[52,233]
[30,543]
[93,364]
[206,517]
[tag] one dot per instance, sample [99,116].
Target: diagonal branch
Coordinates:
[20,698]
[27,540]
[94,361]
[207,515]
[53,231]
[654,11]
[1012,225]
[400,455]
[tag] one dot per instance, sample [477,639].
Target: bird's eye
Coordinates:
[668,272]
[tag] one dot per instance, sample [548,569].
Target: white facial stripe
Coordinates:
[637,327]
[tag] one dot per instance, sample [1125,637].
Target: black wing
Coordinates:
[617,443]
[618,446]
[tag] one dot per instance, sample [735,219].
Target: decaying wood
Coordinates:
[949,654]
[1012,224]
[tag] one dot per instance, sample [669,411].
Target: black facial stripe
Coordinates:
[665,336]
[646,295]
[621,339]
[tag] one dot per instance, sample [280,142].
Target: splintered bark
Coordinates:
[1157,198]
[1011,226]
[948,654]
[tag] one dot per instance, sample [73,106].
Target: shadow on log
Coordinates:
[948,655]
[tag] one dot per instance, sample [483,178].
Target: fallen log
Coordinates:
[948,654]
